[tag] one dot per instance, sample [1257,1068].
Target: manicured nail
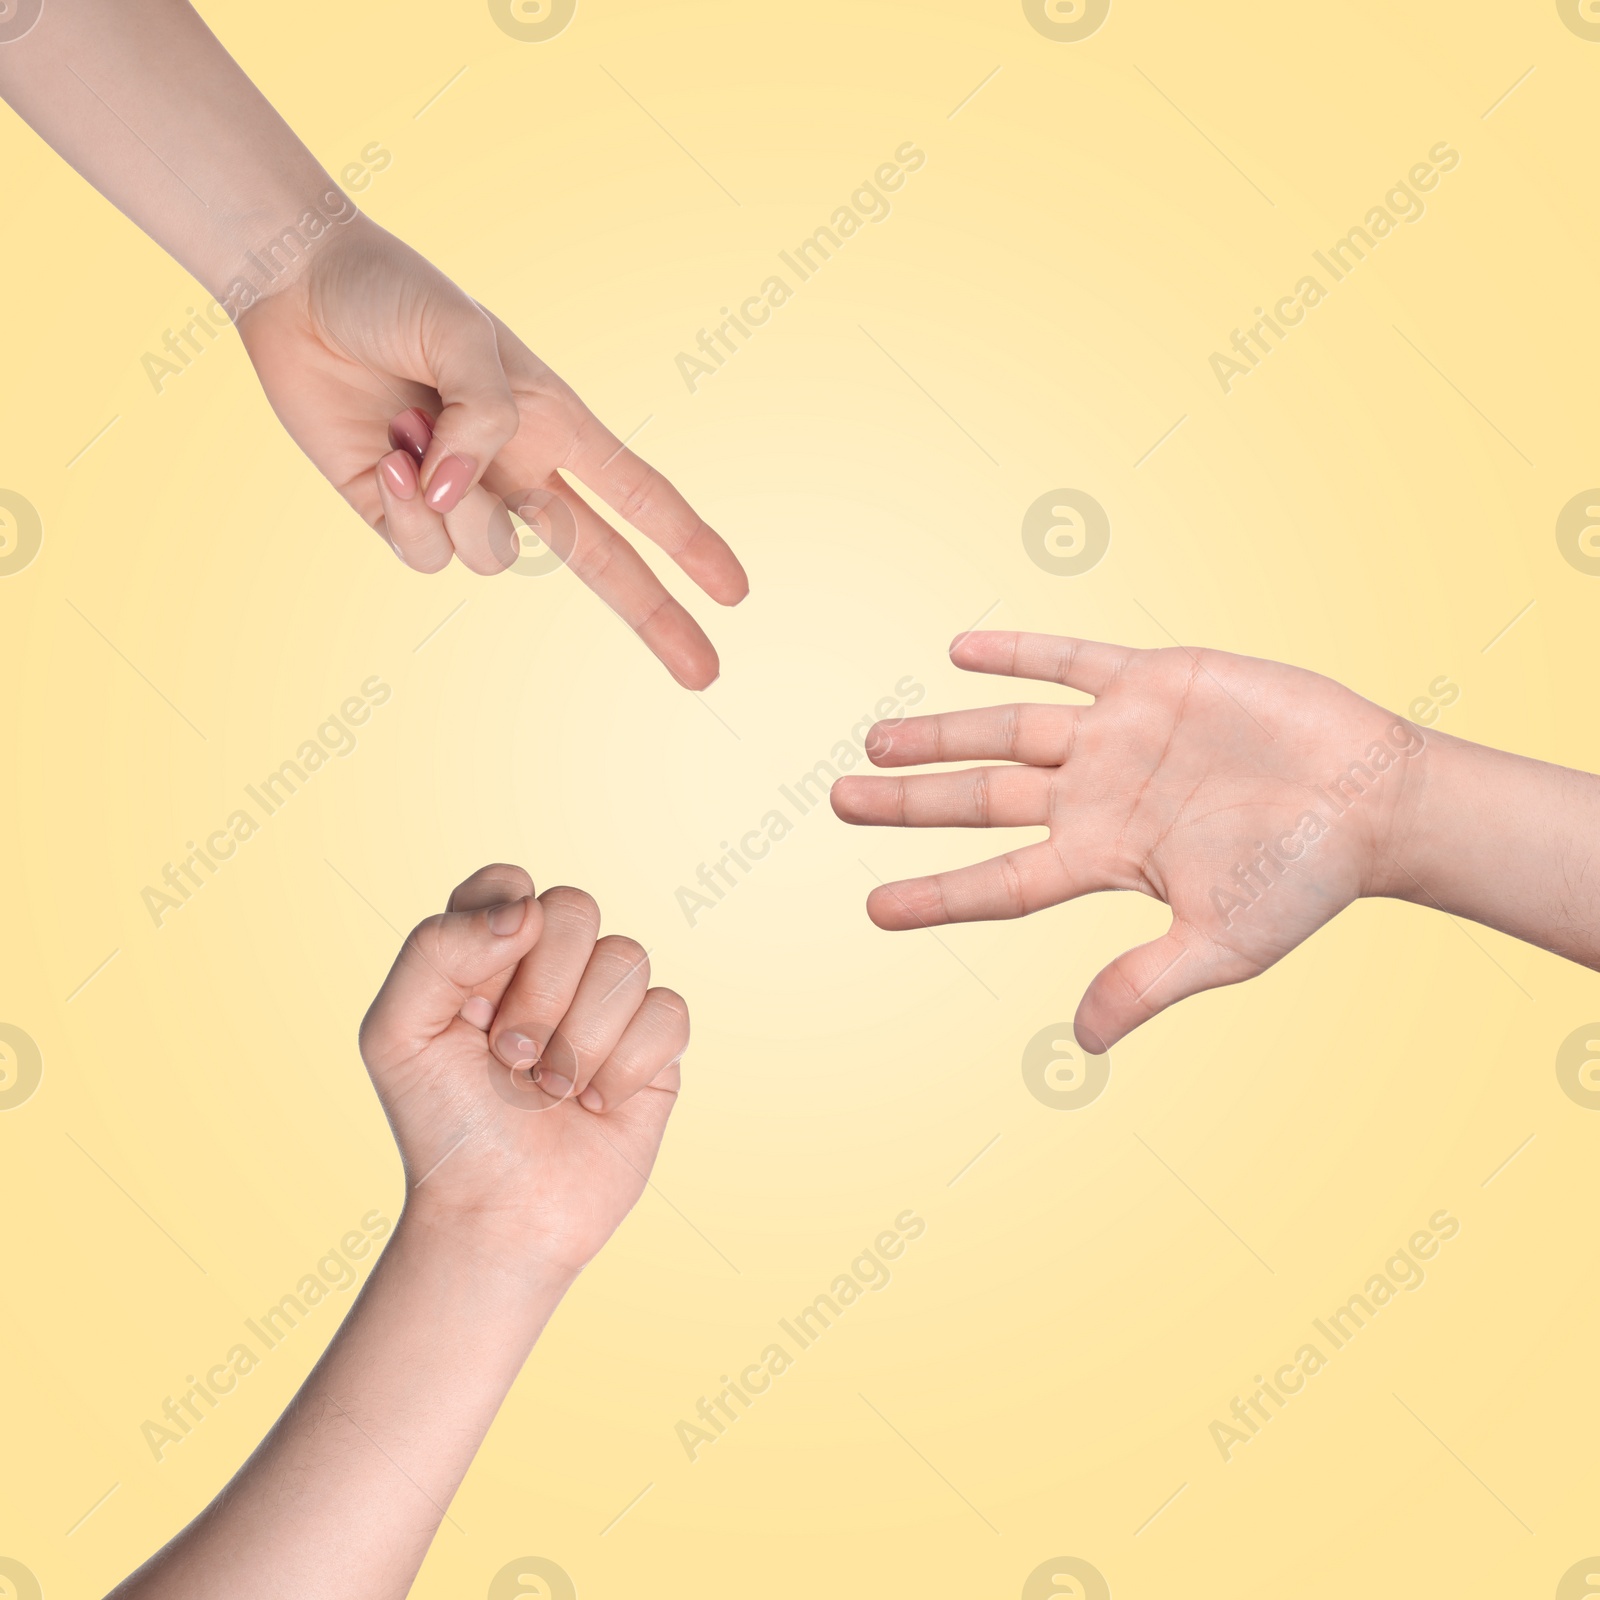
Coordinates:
[411,431]
[399,476]
[591,1099]
[1090,1040]
[554,1085]
[507,919]
[478,1012]
[451,479]
[519,1047]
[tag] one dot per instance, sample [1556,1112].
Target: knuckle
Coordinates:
[427,938]
[641,494]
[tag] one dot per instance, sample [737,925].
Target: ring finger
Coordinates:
[613,984]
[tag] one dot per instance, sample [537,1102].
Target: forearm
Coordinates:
[343,1497]
[145,103]
[1506,841]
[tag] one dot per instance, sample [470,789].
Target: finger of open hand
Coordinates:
[1038,735]
[1078,663]
[981,797]
[1011,885]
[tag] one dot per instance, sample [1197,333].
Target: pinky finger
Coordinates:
[647,1054]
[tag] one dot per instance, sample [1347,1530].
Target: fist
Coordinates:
[526,1066]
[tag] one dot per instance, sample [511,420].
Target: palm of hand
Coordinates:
[1209,781]
[482,1141]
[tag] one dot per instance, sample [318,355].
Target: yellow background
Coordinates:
[1376,501]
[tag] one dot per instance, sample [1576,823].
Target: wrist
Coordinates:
[497,1269]
[1413,858]
[266,250]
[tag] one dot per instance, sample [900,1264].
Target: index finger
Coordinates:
[1077,663]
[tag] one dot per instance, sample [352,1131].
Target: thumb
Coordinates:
[480,415]
[1144,981]
[442,961]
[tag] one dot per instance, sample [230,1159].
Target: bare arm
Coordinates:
[528,1073]
[150,109]
[1507,841]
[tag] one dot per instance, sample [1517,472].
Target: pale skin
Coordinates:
[1189,778]
[349,328]
[516,1175]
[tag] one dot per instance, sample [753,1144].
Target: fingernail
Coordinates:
[507,919]
[449,482]
[554,1085]
[478,1012]
[591,1099]
[1090,1040]
[519,1047]
[411,431]
[398,476]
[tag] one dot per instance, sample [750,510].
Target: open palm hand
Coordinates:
[1255,799]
